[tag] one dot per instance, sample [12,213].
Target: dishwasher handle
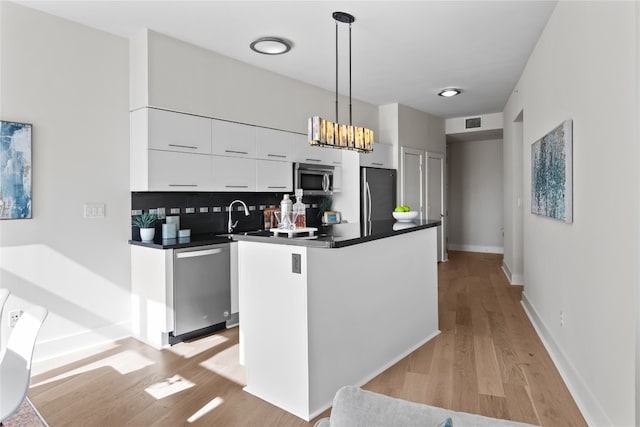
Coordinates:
[192,254]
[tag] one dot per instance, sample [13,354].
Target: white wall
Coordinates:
[586,269]
[475,196]
[514,208]
[420,130]
[71,83]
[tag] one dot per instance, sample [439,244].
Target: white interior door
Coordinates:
[412,179]
[435,199]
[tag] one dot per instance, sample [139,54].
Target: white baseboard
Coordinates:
[517,279]
[475,248]
[514,279]
[62,346]
[589,406]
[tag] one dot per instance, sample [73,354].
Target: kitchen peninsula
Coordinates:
[321,313]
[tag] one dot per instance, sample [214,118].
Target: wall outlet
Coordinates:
[14,315]
[562,319]
[296,263]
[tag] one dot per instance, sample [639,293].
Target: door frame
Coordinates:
[421,154]
[443,255]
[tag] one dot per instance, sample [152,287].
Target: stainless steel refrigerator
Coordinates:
[377,194]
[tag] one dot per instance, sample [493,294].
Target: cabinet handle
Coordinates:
[376,163]
[277,155]
[313,160]
[198,253]
[236,186]
[183,146]
[276,186]
[183,185]
[236,152]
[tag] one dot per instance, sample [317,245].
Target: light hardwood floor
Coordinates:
[487,360]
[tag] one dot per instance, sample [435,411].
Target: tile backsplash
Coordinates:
[208,212]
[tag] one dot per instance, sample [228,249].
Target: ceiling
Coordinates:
[402,51]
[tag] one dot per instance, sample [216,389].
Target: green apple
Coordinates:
[399,209]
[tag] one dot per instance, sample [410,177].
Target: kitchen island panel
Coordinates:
[370,305]
[348,315]
[273,324]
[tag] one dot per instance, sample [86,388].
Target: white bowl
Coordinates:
[405,216]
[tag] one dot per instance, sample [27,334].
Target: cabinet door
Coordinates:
[172,171]
[274,144]
[172,131]
[274,176]
[233,139]
[380,157]
[337,179]
[306,153]
[233,174]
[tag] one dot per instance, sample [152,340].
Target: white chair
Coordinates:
[4,294]
[15,367]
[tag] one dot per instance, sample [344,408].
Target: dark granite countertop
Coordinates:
[327,236]
[185,242]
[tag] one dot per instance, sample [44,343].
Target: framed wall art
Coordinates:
[15,170]
[552,174]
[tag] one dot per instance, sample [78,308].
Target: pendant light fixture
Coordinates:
[326,133]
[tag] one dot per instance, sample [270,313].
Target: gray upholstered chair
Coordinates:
[354,407]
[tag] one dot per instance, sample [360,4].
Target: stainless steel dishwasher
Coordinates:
[201,287]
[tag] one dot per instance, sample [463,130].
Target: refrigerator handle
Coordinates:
[369,201]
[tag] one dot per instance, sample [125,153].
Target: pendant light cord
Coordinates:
[350,107]
[337,72]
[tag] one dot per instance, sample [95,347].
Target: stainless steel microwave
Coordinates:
[315,180]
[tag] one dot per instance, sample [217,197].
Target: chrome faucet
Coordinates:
[230,225]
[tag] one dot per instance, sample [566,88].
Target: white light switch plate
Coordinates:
[95,210]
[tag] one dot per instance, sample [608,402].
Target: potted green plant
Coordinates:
[146,222]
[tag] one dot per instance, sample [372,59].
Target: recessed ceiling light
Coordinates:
[271,45]
[449,92]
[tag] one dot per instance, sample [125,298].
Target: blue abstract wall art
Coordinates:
[552,174]
[15,170]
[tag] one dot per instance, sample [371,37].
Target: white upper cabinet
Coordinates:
[274,144]
[274,176]
[337,179]
[167,130]
[303,152]
[233,174]
[380,157]
[170,171]
[233,139]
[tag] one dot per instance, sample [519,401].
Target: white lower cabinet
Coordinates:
[173,171]
[274,176]
[233,174]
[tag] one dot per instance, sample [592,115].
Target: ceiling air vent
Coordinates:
[472,123]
